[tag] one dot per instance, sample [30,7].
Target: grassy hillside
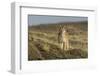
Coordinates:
[43,41]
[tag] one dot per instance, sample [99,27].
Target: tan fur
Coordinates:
[63,38]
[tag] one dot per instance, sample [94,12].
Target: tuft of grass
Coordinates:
[43,43]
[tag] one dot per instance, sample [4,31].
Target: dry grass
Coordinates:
[43,43]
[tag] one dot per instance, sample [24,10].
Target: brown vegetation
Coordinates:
[43,43]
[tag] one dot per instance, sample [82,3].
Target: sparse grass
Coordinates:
[43,43]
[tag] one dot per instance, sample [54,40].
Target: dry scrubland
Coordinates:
[43,43]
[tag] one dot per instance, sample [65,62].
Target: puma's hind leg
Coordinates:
[61,45]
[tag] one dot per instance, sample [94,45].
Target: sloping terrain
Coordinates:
[43,41]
